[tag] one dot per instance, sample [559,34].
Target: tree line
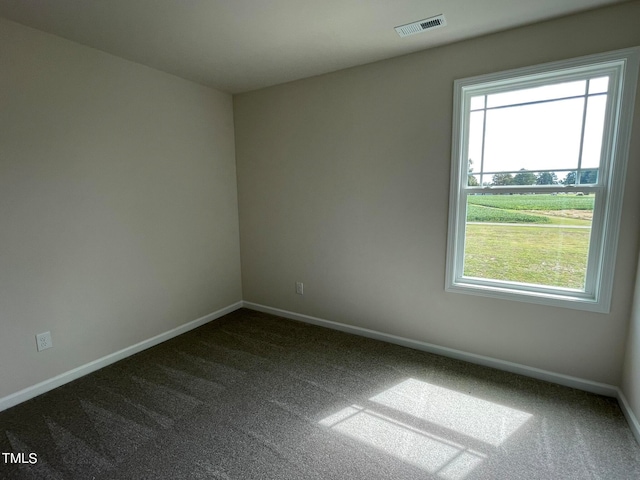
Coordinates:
[525,177]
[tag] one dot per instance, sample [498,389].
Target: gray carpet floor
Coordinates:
[253,396]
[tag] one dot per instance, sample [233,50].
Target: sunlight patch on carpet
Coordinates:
[464,416]
[480,419]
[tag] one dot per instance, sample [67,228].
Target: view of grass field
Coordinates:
[534,202]
[478,213]
[536,239]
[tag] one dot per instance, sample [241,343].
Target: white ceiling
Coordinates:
[242,45]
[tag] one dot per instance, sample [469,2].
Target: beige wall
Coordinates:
[343,183]
[118,204]
[631,371]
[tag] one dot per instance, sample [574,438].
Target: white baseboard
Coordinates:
[57,381]
[634,425]
[566,380]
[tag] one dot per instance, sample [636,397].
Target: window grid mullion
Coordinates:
[584,121]
[537,102]
[484,131]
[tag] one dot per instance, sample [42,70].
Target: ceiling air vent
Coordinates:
[421,26]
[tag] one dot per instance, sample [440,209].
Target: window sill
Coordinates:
[561,299]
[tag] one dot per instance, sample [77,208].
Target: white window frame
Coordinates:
[622,67]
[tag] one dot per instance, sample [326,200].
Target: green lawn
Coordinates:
[537,255]
[528,251]
[568,221]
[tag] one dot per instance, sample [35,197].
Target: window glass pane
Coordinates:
[599,85]
[593,129]
[543,136]
[587,177]
[547,92]
[477,102]
[537,239]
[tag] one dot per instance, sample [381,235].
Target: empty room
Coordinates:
[286,239]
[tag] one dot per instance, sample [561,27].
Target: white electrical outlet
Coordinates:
[44,341]
[299,288]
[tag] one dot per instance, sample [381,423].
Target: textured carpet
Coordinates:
[252,396]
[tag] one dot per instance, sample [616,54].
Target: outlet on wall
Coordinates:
[44,341]
[299,288]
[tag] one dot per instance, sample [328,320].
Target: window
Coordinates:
[538,167]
